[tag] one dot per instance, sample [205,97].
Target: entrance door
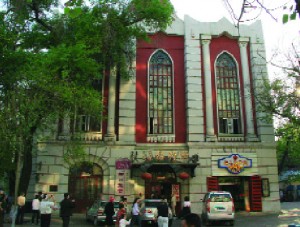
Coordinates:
[163,177]
[85,185]
[255,193]
[234,185]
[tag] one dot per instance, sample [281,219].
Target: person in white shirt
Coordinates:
[35,210]
[46,208]
[123,222]
[136,212]
[173,204]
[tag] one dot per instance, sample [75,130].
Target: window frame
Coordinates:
[240,96]
[148,94]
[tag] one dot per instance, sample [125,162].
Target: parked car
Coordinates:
[96,212]
[149,211]
[218,206]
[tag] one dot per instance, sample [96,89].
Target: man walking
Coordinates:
[35,210]
[66,206]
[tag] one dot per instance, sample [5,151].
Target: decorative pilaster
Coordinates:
[243,42]
[110,135]
[210,133]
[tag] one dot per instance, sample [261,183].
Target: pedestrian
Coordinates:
[191,220]
[3,200]
[186,207]
[109,212]
[124,201]
[170,215]
[136,213]
[1,215]
[46,207]
[123,222]
[66,206]
[163,214]
[173,204]
[120,212]
[35,210]
[21,208]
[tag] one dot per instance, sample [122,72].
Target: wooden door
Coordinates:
[212,184]
[255,192]
[85,191]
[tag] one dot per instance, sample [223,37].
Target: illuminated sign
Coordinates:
[235,163]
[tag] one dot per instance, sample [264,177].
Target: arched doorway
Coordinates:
[85,184]
[163,177]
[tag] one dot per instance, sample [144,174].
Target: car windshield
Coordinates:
[116,204]
[220,197]
[152,204]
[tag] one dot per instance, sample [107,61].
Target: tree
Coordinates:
[50,59]
[251,10]
[281,100]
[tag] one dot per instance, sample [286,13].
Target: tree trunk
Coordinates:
[27,167]
[24,166]
[18,174]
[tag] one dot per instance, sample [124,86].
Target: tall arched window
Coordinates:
[160,102]
[228,95]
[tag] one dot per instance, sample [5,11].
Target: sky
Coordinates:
[277,35]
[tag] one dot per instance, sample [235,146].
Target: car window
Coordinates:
[217,197]
[116,204]
[152,204]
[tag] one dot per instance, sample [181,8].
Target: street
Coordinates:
[290,214]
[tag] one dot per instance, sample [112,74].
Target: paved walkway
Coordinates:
[290,214]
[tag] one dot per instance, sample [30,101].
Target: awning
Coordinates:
[176,166]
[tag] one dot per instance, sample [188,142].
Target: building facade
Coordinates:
[186,122]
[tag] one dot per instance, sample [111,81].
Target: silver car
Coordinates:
[149,211]
[96,212]
[218,206]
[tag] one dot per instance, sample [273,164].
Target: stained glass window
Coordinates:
[160,120]
[228,95]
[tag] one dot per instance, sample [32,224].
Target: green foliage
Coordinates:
[291,13]
[49,59]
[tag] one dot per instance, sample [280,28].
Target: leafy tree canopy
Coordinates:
[50,56]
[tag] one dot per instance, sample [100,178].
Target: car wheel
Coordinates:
[207,222]
[86,218]
[232,223]
[96,223]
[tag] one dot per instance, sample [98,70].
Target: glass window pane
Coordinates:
[228,99]
[160,93]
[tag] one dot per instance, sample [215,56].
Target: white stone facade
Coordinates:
[50,169]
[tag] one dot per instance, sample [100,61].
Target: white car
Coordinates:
[218,206]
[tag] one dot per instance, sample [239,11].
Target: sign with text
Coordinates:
[176,191]
[122,176]
[235,163]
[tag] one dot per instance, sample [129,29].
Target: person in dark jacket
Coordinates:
[109,212]
[66,206]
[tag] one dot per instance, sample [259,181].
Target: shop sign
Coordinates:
[122,176]
[123,163]
[235,163]
[175,191]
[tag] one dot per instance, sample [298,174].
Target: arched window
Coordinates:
[160,101]
[228,95]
